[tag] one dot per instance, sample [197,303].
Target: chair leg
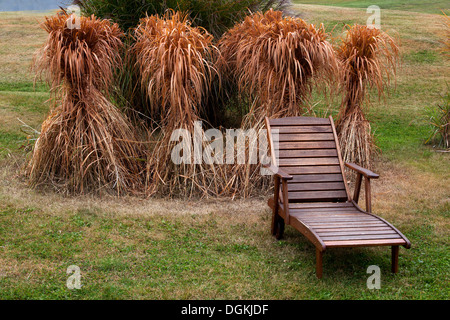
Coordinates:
[274,223]
[394,258]
[319,265]
[280,228]
[277,227]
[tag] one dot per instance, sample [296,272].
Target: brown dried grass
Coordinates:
[273,59]
[368,58]
[276,60]
[176,62]
[80,58]
[176,66]
[86,144]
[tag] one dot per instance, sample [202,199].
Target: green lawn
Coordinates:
[407,5]
[197,257]
[135,248]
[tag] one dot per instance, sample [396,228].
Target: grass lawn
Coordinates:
[408,5]
[134,248]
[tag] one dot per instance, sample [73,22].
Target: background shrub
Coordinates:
[216,16]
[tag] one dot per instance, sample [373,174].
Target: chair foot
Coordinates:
[394,258]
[277,228]
[273,228]
[280,228]
[319,264]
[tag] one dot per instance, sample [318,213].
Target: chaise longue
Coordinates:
[311,193]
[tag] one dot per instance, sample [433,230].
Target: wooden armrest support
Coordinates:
[368,175]
[278,172]
[365,172]
[281,178]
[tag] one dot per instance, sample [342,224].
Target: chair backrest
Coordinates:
[307,148]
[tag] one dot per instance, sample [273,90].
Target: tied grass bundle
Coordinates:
[78,59]
[368,57]
[176,65]
[175,61]
[85,144]
[276,59]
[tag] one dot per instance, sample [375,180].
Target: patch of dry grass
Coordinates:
[20,36]
[411,197]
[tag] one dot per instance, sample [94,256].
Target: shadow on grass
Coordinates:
[339,264]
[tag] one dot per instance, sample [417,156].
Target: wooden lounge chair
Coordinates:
[312,195]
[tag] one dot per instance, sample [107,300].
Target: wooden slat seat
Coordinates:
[334,225]
[310,179]
[342,225]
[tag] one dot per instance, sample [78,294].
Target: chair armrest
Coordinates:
[278,172]
[365,172]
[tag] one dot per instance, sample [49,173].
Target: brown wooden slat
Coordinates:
[324,216]
[316,186]
[316,178]
[364,243]
[361,237]
[301,129]
[308,162]
[355,233]
[304,145]
[308,153]
[321,205]
[337,212]
[312,170]
[302,195]
[273,153]
[325,211]
[355,219]
[356,222]
[299,121]
[343,229]
[327,217]
[319,227]
[324,224]
[341,162]
[305,137]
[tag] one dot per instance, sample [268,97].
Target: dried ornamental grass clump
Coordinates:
[79,58]
[276,60]
[176,66]
[368,57]
[175,61]
[85,144]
